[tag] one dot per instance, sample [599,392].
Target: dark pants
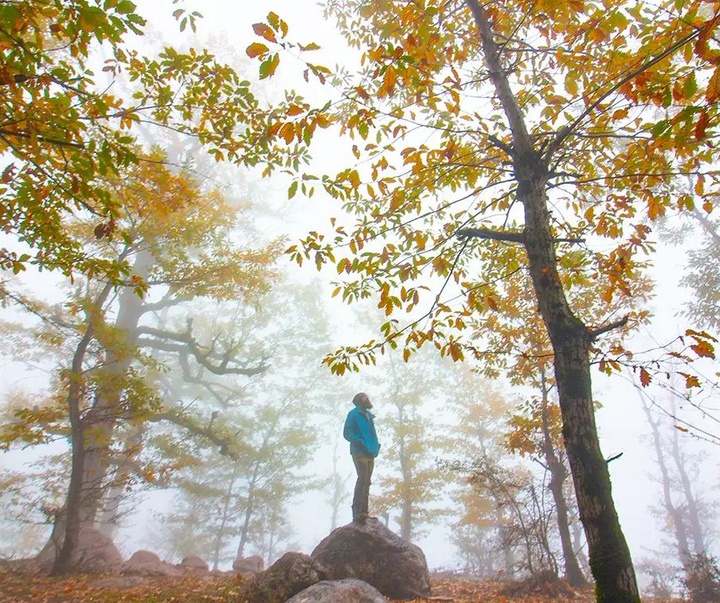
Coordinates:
[364,466]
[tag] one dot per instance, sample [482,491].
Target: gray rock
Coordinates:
[372,553]
[339,591]
[193,563]
[246,565]
[96,553]
[289,575]
[147,563]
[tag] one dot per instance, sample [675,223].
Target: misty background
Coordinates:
[291,480]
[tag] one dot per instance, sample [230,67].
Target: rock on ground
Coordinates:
[252,564]
[193,563]
[372,553]
[147,563]
[339,591]
[95,553]
[292,573]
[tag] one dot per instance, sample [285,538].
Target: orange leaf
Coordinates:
[256,49]
[264,31]
[702,125]
[287,132]
[713,90]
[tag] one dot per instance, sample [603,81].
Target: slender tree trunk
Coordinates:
[507,549]
[558,474]
[224,518]
[697,533]
[678,524]
[610,559]
[578,540]
[249,511]
[406,510]
[339,487]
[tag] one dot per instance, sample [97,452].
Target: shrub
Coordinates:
[702,579]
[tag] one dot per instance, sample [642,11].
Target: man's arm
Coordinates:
[350,429]
[352,432]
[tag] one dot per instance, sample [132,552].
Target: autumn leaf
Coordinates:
[269,65]
[256,49]
[264,31]
[645,378]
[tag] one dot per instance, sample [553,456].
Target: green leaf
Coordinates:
[269,65]
[9,15]
[125,7]
[93,16]
[293,189]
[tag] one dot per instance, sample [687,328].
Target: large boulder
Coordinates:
[95,553]
[292,573]
[339,591]
[249,565]
[147,563]
[370,552]
[193,564]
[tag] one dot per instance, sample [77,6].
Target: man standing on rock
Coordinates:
[364,447]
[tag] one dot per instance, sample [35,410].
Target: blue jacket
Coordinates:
[360,432]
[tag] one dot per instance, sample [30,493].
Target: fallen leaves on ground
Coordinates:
[19,588]
[24,588]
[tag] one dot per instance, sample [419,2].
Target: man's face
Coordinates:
[365,403]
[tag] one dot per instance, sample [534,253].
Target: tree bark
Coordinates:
[68,523]
[91,433]
[558,475]
[610,559]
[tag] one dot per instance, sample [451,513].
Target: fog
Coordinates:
[624,430]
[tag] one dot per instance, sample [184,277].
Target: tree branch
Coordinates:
[222,442]
[487,233]
[595,333]
[180,343]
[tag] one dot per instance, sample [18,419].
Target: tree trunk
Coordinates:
[110,515]
[224,518]
[556,467]
[91,434]
[249,511]
[71,516]
[678,524]
[505,542]
[610,559]
[406,511]
[693,513]
[339,487]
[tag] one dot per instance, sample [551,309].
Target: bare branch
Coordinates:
[223,442]
[595,333]
[487,233]
[185,343]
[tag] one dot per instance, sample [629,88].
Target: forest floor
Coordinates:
[23,588]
